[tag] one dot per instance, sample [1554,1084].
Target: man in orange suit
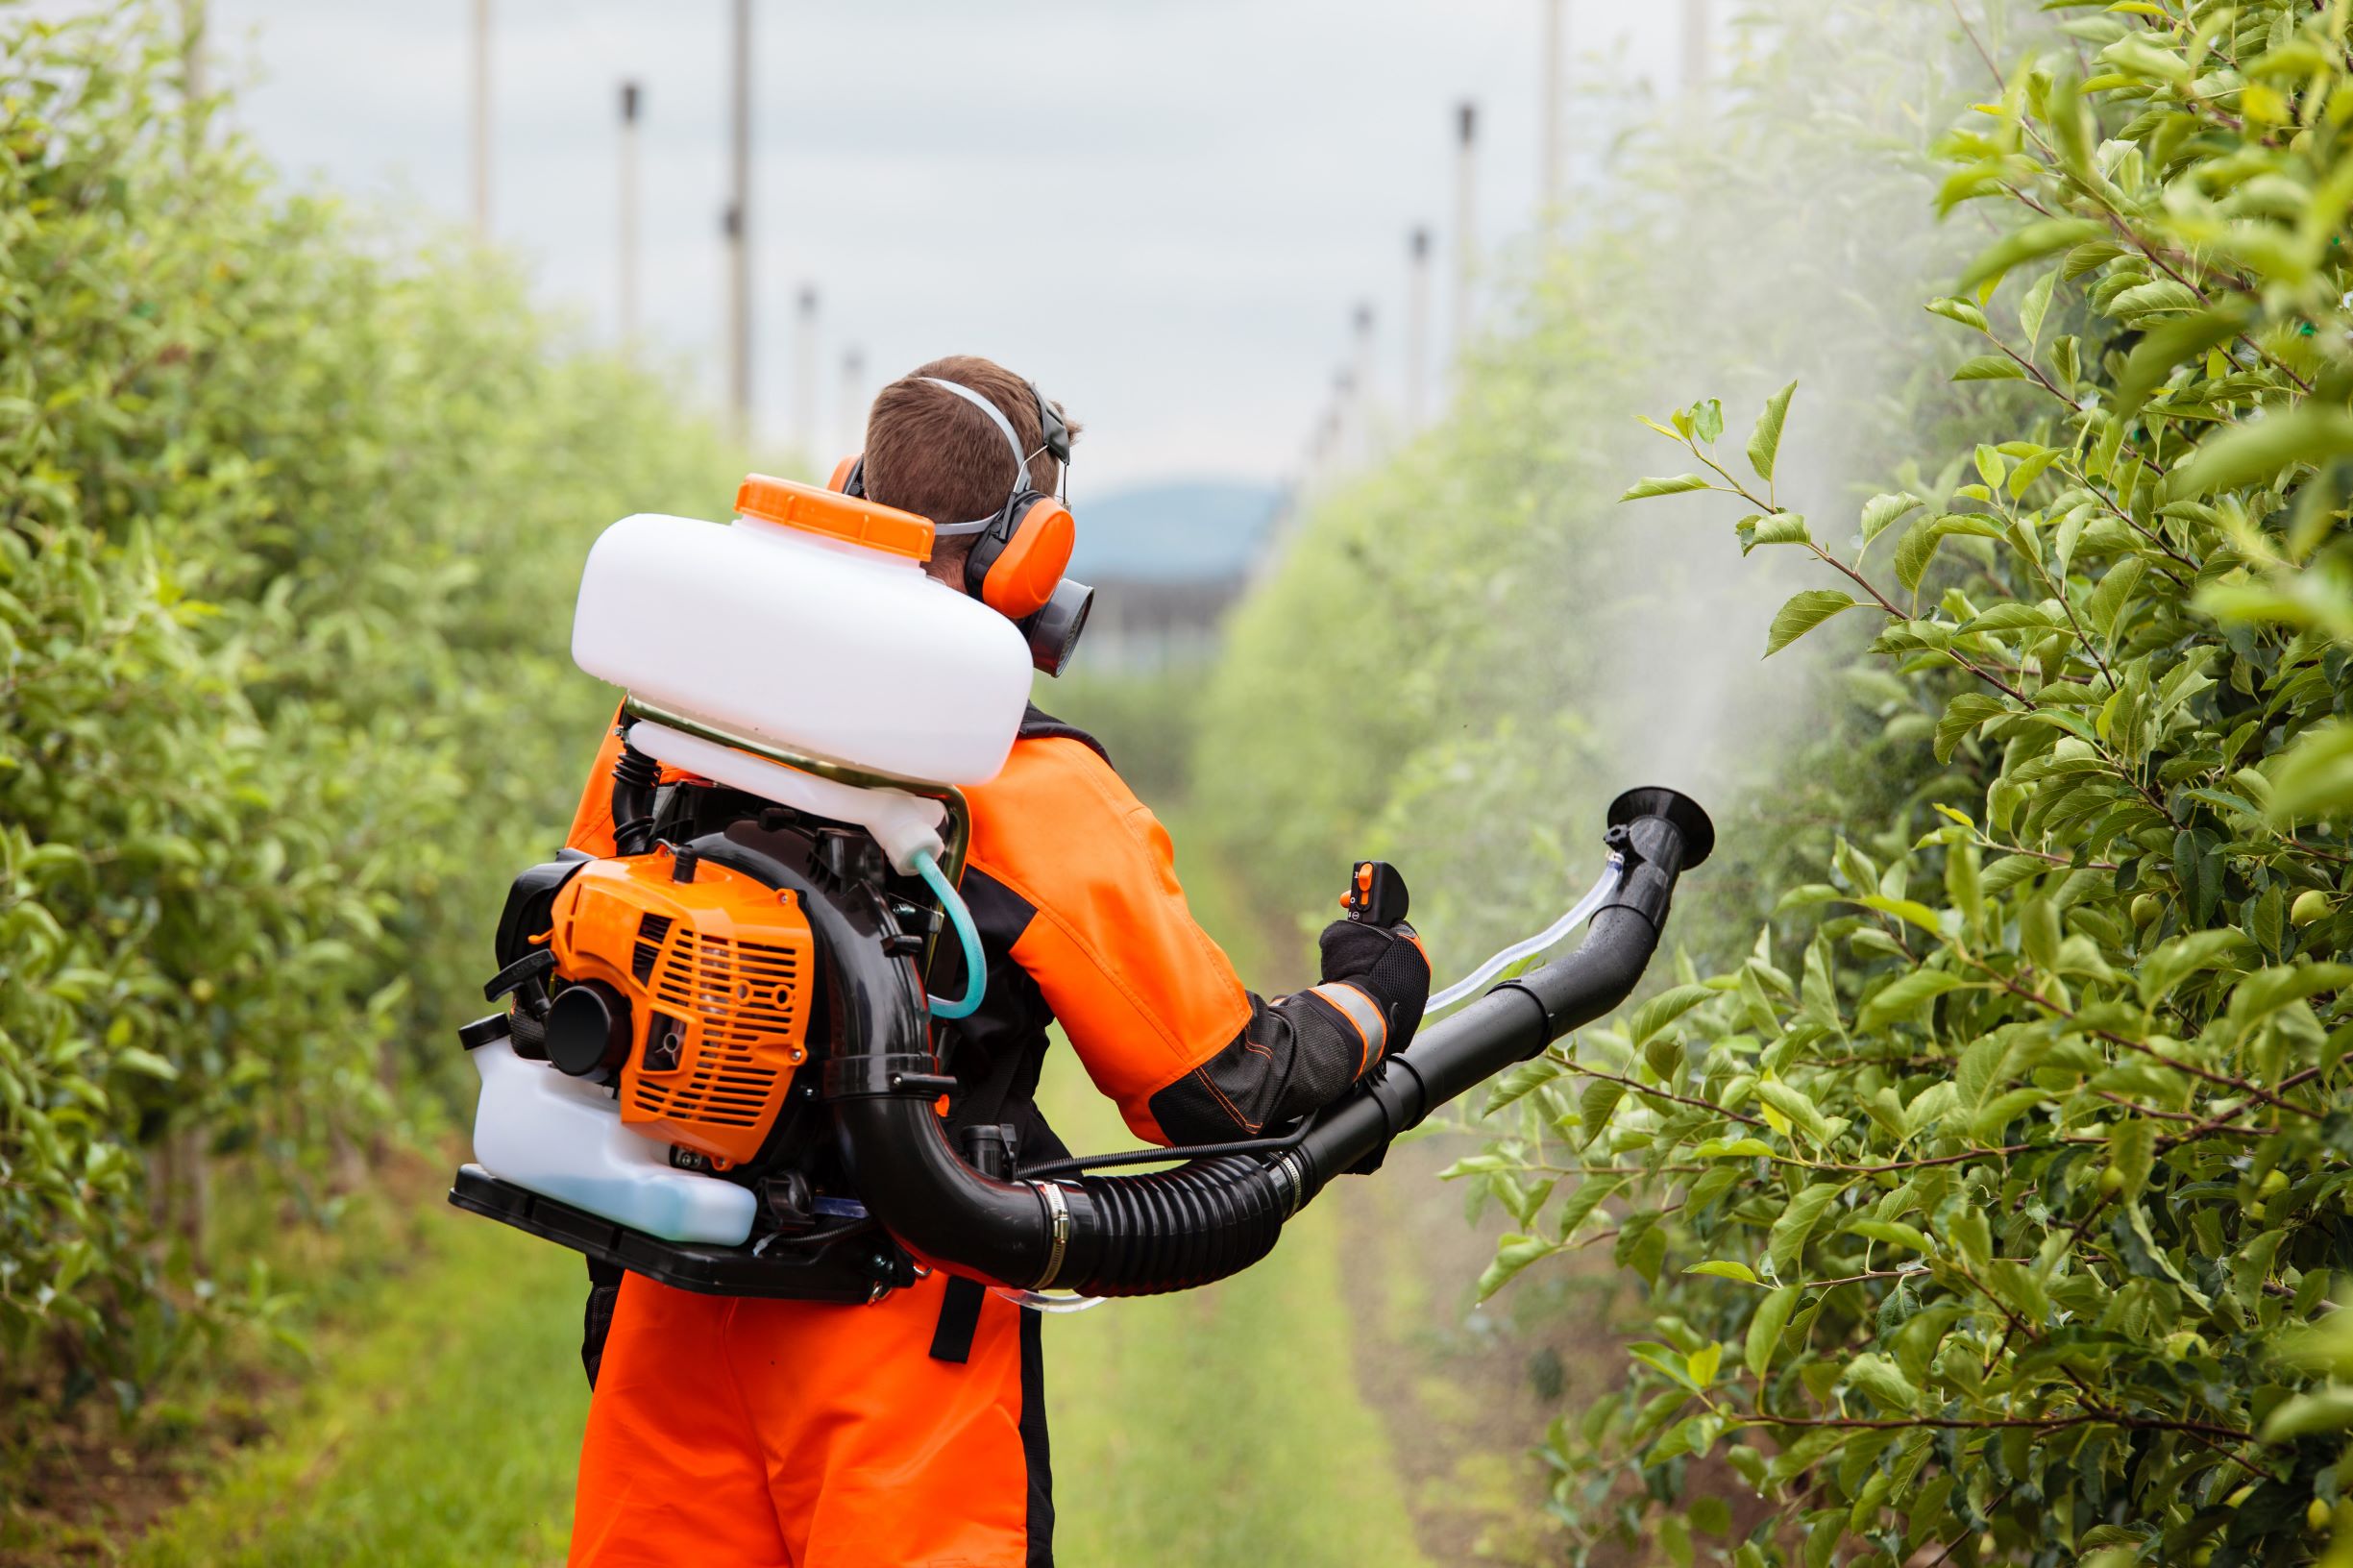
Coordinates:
[912,1431]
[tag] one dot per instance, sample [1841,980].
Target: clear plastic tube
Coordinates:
[1039,1301]
[1579,912]
[975,968]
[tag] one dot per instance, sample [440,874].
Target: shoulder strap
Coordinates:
[985,1100]
[960,1303]
[1039,724]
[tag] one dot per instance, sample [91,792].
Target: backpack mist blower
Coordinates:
[718,1068]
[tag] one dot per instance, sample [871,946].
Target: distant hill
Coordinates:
[1177,531]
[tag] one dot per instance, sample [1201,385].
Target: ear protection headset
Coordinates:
[1018,551]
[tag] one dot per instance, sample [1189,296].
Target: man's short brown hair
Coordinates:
[930,453]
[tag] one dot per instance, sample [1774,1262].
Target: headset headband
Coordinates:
[997,417]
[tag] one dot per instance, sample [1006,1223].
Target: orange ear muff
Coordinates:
[843,472]
[1022,576]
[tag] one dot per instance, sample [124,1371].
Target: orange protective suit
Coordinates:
[752,1433]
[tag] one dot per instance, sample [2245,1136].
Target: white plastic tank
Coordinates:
[563,1137]
[809,623]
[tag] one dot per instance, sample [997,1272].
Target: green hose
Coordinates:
[975,968]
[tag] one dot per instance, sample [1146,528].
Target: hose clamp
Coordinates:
[1058,1213]
[1289,1174]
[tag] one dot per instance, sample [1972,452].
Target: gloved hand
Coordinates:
[1388,964]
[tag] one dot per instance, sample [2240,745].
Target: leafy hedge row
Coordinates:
[1987,1204]
[1992,1205]
[291,507]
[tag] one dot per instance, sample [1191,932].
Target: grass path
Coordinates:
[1217,1428]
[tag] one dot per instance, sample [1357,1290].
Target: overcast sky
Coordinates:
[1163,210]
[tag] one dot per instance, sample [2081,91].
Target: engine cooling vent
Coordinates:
[743,995]
[648,952]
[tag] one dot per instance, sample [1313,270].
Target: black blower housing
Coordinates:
[1208,1217]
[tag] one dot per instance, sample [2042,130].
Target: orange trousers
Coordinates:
[795,1435]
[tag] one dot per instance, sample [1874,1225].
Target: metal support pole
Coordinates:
[853,401]
[480,149]
[1550,170]
[1466,226]
[804,376]
[631,99]
[738,226]
[1362,388]
[1698,21]
[1417,328]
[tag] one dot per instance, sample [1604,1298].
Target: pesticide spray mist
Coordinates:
[1539,645]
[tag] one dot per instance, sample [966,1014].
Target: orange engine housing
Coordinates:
[717,974]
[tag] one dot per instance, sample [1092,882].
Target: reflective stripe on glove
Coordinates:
[1376,972]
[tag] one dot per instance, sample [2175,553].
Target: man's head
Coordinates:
[930,453]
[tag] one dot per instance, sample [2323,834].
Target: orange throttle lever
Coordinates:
[1376,895]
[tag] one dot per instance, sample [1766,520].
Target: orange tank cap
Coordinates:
[812,510]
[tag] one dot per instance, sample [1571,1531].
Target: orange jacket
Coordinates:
[1072,883]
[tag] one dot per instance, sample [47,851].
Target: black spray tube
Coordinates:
[1211,1217]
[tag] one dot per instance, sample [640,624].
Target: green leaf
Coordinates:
[1765,1326]
[2314,776]
[1595,1104]
[1580,1205]
[1779,528]
[1802,614]
[1910,911]
[1644,489]
[2169,964]
[1892,1232]
[2038,933]
[1522,1081]
[1883,509]
[2036,304]
[2042,238]
[1797,1107]
[1915,550]
[1900,996]
[1786,1241]
[2307,1415]
[1513,1253]
[1725,1270]
[1989,367]
[1986,1122]
[135,1059]
[2136,54]
[1884,1382]
[1964,311]
[1963,714]
[2162,296]
[2166,344]
[1661,1009]
[1703,1362]
[2114,591]
[2132,1153]
[1765,441]
[2267,991]
[2260,452]
[2010,617]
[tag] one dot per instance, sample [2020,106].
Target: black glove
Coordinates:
[1388,964]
